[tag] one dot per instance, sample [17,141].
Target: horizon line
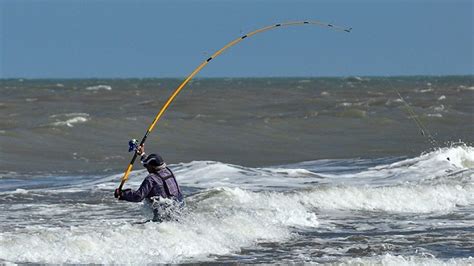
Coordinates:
[236,77]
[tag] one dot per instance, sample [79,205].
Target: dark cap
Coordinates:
[153,160]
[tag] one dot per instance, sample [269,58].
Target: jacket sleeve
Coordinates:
[139,194]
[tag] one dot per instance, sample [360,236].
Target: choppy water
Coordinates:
[83,126]
[390,210]
[389,199]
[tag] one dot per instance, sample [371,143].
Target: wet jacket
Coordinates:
[160,184]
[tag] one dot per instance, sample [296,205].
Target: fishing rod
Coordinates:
[134,145]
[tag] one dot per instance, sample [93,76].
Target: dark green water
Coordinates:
[80,126]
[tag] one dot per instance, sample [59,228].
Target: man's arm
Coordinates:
[139,194]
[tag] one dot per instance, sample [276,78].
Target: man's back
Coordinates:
[161,183]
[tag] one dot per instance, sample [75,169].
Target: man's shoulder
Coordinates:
[152,177]
[164,172]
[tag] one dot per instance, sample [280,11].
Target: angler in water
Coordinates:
[159,187]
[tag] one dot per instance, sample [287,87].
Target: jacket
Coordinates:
[160,184]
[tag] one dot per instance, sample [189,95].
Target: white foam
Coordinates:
[356,79]
[419,185]
[207,174]
[70,119]
[69,115]
[221,221]
[439,108]
[427,166]
[398,260]
[441,98]
[460,157]
[426,90]
[390,102]
[20,191]
[9,174]
[466,88]
[397,199]
[304,81]
[71,122]
[99,87]
[345,104]
[224,217]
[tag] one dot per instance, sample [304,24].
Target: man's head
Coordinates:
[153,162]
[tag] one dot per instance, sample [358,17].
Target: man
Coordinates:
[160,188]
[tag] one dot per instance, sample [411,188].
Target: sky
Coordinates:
[124,39]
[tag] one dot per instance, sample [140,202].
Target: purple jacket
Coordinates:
[162,183]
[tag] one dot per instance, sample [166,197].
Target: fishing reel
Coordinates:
[132,145]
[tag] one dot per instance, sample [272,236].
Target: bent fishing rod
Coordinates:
[133,144]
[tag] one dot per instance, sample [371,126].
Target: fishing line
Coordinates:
[423,130]
[134,144]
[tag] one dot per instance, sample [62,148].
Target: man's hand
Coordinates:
[117,193]
[141,150]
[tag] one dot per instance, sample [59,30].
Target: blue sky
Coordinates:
[107,39]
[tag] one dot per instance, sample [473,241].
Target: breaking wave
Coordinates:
[231,207]
[399,260]
[99,87]
[70,119]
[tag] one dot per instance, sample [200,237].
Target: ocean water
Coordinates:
[274,171]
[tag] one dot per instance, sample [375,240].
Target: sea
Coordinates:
[336,171]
